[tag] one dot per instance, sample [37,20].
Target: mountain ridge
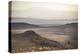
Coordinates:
[22,25]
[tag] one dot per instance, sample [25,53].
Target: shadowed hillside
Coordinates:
[72,31]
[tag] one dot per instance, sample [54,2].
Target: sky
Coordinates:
[44,10]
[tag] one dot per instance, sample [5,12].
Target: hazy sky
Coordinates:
[44,10]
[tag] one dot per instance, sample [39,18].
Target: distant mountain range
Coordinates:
[21,25]
[44,22]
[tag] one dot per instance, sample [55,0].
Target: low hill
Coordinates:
[75,25]
[31,39]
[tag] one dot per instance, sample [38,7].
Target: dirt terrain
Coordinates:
[43,39]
